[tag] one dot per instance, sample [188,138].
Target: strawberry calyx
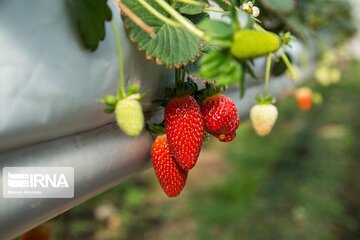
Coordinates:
[111,101]
[265,99]
[286,38]
[210,90]
[186,88]
[181,89]
[182,86]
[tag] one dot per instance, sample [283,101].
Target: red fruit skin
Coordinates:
[304,99]
[184,129]
[171,177]
[220,117]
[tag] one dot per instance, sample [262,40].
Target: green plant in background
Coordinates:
[310,20]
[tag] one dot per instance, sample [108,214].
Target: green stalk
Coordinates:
[191,2]
[182,76]
[288,64]
[259,28]
[154,12]
[177,76]
[121,88]
[182,20]
[267,74]
[214,10]
[139,22]
[200,4]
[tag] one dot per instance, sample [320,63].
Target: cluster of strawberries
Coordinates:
[187,120]
[176,152]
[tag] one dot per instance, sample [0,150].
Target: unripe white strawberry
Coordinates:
[129,116]
[263,118]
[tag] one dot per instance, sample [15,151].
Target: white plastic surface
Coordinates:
[48,82]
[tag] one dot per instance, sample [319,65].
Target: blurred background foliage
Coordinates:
[321,22]
[301,182]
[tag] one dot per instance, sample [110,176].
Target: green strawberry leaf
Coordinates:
[90,19]
[216,29]
[221,67]
[223,4]
[170,46]
[283,6]
[279,67]
[187,9]
[249,70]
[196,18]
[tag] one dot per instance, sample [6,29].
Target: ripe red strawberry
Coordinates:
[184,129]
[171,177]
[220,117]
[304,98]
[263,117]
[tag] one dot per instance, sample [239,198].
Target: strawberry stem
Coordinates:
[182,76]
[214,10]
[154,12]
[288,64]
[192,2]
[121,89]
[205,6]
[182,20]
[267,74]
[257,27]
[179,76]
[140,23]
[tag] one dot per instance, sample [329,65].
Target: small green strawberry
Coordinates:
[248,44]
[129,116]
[126,104]
[263,116]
